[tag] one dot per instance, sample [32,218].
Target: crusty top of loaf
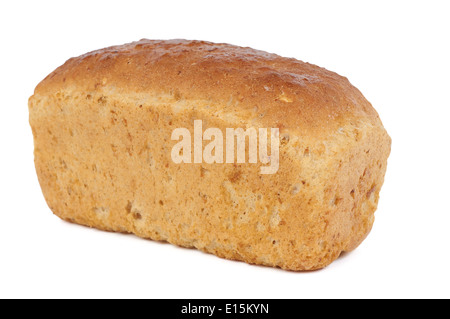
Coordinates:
[286,92]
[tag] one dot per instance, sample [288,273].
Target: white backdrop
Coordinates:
[396,52]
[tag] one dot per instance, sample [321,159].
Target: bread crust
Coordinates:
[102,122]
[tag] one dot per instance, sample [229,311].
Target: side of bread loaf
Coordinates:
[102,127]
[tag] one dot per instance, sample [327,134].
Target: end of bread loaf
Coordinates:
[102,127]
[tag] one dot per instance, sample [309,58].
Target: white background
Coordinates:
[396,52]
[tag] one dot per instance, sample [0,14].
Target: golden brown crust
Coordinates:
[290,93]
[102,124]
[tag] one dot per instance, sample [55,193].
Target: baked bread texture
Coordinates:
[102,126]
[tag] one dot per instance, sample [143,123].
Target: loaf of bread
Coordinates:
[104,123]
